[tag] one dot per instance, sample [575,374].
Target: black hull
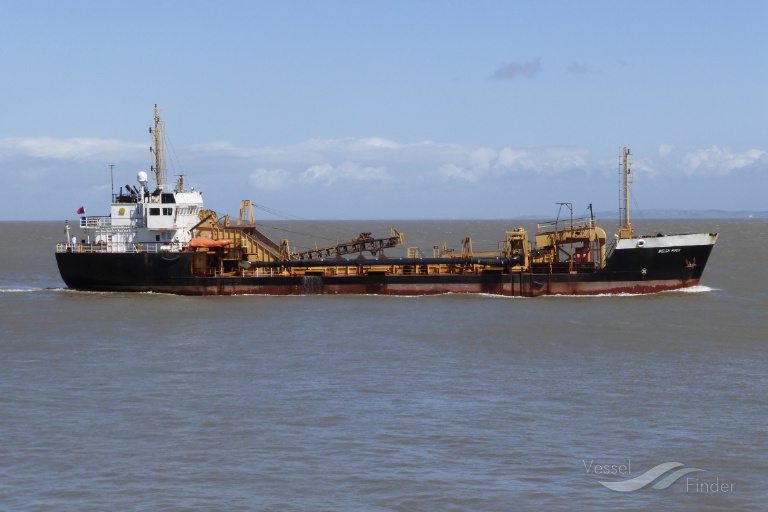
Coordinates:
[634,271]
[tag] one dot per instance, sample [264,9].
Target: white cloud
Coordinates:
[481,158]
[474,164]
[70,148]
[719,161]
[645,166]
[545,160]
[220,146]
[370,159]
[372,143]
[347,171]
[509,157]
[665,149]
[79,167]
[308,152]
[269,179]
[323,172]
[456,172]
[348,160]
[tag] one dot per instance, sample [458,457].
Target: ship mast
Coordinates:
[626,227]
[159,168]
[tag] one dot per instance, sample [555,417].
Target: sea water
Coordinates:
[118,401]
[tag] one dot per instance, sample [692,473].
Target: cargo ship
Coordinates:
[165,241]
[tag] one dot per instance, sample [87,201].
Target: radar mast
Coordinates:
[159,133]
[626,227]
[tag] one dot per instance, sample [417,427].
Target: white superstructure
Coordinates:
[140,220]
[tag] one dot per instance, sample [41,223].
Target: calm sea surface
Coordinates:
[137,402]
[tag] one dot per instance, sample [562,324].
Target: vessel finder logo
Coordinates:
[652,474]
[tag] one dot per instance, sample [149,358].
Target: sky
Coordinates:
[387,109]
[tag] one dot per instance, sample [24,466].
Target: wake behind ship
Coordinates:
[165,241]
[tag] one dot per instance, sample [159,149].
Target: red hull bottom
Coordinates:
[507,289]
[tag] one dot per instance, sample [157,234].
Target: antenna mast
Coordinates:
[626,227]
[112,175]
[158,132]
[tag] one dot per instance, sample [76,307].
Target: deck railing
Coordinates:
[557,225]
[106,222]
[121,247]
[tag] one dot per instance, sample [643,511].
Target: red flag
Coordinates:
[81,210]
